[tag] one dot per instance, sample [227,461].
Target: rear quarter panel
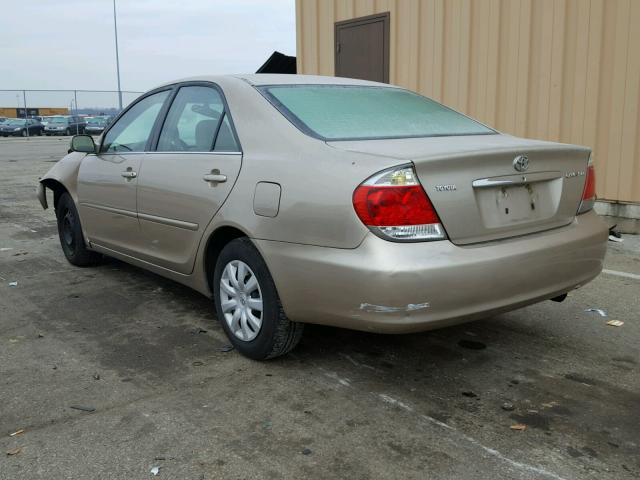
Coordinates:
[317,181]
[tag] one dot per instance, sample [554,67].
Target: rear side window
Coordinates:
[192,120]
[226,141]
[349,112]
[197,122]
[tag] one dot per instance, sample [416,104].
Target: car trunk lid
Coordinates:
[479,192]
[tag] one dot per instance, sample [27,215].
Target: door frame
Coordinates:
[354,22]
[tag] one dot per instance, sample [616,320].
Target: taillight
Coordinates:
[394,206]
[589,192]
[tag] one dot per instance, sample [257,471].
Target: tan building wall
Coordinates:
[562,70]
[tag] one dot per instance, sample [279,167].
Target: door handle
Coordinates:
[214,178]
[129,174]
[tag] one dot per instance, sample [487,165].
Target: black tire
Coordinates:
[67,132]
[70,232]
[277,334]
[23,133]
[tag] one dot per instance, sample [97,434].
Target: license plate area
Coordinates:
[524,203]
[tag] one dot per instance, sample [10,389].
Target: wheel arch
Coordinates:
[63,176]
[56,187]
[218,239]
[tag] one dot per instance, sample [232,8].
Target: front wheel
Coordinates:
[23,133]
[70,232]
[68,131]
[248,306]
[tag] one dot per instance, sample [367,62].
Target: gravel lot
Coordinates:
[148,355]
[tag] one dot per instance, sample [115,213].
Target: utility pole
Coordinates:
[75,99]
[115,29]
[26,122]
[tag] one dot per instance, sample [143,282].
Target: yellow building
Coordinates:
[561,70]
[13,112]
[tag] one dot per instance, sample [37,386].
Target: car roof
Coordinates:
[259,79]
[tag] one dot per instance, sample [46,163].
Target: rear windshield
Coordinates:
[339,112]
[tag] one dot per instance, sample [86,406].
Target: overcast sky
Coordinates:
[69,44]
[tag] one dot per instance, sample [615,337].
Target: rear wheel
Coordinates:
[70,232]
[248,306]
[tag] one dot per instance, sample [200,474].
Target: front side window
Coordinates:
[192,121]
[353,112]
[131,132]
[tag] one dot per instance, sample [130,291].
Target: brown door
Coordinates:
[362,48]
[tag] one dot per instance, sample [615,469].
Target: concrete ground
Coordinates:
[149,356]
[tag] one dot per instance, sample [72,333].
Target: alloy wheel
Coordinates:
[241,300]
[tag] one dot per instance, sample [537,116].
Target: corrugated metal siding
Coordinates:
[562,70]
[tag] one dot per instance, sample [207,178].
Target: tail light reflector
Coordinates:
[394,206]
[589,192]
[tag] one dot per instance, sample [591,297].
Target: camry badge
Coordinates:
[521,163]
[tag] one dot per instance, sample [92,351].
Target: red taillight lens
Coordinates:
[589,192]
[394,205]
[590,185]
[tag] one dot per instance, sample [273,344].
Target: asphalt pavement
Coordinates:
[110,371]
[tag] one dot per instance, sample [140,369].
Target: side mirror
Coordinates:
[83,143]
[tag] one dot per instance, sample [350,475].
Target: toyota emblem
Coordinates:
[521,163]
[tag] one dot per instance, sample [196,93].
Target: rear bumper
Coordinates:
[405,287]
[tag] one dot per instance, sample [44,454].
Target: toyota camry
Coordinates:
[292,199]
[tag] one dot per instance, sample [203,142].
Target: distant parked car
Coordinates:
[20,126]
[3,119]
[96,125]
[65,125]
[45,120]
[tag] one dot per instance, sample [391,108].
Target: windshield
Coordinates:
[15,121]
[346,112]
[58,120]
[96,121]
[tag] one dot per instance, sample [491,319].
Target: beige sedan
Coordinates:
[296,199]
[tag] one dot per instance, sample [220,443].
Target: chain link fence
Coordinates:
[38,103]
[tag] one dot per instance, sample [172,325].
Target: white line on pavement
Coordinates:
[621,274]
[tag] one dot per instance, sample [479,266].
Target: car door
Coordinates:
[184,182]
[107,181]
